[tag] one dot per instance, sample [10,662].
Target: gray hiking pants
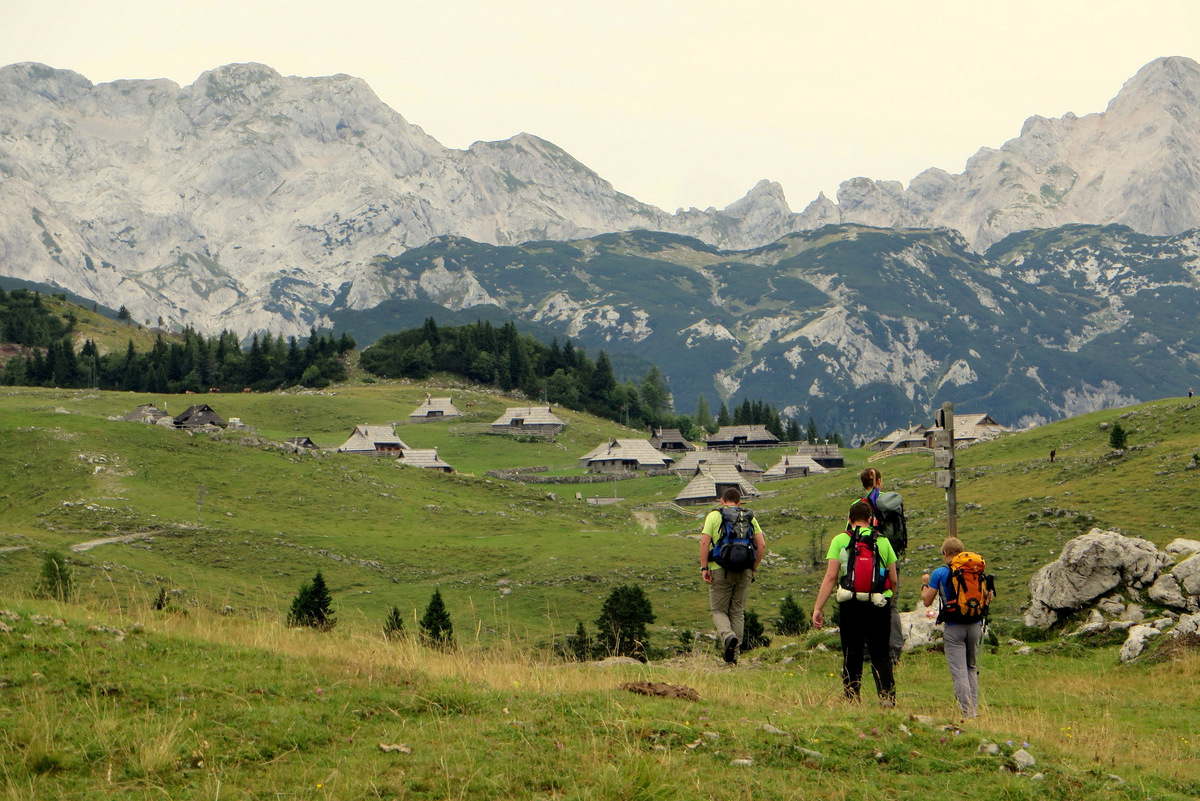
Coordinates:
[962,649]
[727,600]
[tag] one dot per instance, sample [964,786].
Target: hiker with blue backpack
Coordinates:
[965,592]
[731,548]
[861,567]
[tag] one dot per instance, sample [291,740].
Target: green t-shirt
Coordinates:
[712,525]
[839,549]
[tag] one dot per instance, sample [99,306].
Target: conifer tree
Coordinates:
[312,606]
[791,620]
[55,579]
[393,626]
[581,643]
[755,634]
[622,622]
[436,628]
[1117,437]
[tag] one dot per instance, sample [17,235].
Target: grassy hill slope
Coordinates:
[214,697]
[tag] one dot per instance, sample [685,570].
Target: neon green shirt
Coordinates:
[839,549]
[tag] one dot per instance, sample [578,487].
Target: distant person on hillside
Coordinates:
[1189,393]
[731,548]
[861,566]
[895,529]
[965,592]
[1053,453]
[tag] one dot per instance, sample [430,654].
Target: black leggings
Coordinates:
[865,626]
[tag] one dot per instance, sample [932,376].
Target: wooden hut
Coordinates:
[710,482]
[425,458]
[373,439]
[198,415]
[534,420]
[622,455]
[434,409]
[742,437]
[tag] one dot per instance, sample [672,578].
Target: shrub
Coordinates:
[755,635]
[393,626]
[792,620]
[622,622]
[1117,437]
[55,579]
[436,628]
[313,606]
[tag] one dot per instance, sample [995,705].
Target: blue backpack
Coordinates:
[734,548]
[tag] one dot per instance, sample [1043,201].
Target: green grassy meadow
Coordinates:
[214,697]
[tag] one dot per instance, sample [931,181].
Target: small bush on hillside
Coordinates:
[792,620]
[755,634]
[55,579]
[313,606]
[436,629]
[393,626]
[1117,437]
[622,622]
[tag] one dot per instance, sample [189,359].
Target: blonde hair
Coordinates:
[952,546]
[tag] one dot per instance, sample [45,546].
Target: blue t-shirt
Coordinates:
[940,581]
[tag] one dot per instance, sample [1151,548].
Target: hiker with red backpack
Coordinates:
[731,548]
[861,566]
[965,591]
[888,519]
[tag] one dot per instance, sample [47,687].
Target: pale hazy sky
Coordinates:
[676,103]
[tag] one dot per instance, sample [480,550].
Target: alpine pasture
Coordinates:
[213,696]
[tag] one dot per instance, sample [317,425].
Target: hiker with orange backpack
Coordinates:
[861,566]
[965,590]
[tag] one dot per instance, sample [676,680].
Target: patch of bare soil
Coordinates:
[661,690]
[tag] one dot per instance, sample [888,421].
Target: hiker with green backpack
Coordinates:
[731,548]
[861,567]
[965,591]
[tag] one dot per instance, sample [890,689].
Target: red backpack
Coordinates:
[865,572]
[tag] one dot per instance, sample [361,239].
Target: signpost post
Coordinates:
[943,462]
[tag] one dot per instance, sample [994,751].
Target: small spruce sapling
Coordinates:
[581,643]
[1117,437]
[436,628]
[792,620]
[755,634]
[622,622]
[313,606]
[393,626]
[55,579]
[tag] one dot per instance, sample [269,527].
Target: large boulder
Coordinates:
[919,626]
[1088,567]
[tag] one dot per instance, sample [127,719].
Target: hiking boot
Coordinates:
[731,651]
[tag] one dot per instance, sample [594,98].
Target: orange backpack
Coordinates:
[964,596]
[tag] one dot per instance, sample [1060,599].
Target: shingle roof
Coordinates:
[423,457]
[704,485]
[531,415]
[625,450]
[753,433]
[794,461]
[691,461]
[436,407]
[364,438]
